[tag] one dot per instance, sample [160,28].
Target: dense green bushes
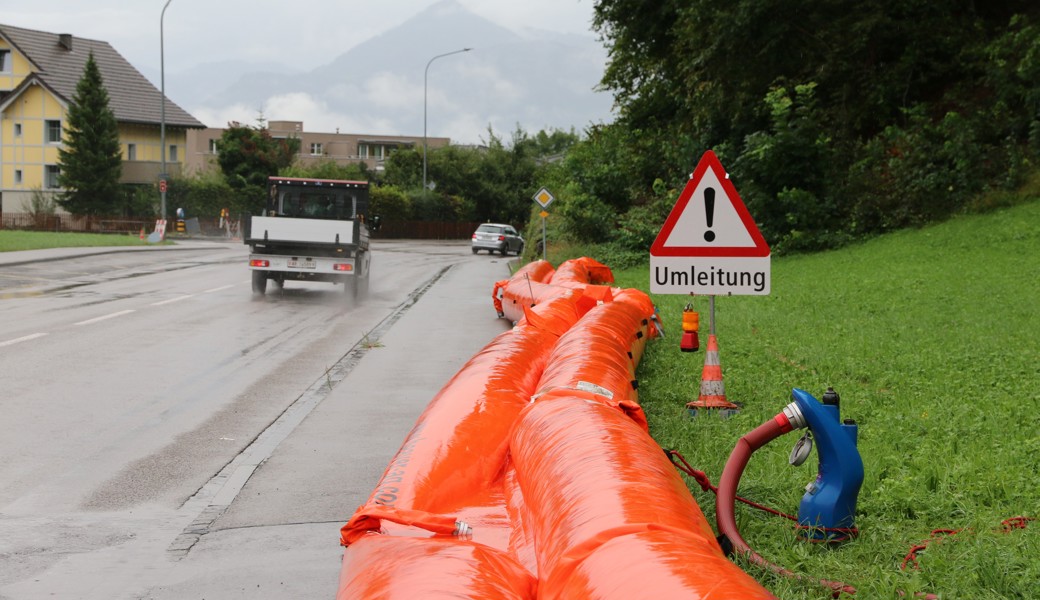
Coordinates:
[837,120]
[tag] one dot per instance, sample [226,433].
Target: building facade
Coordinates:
[39,72]
[315,148]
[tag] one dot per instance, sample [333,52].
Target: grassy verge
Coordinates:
[932,339]
[11,240]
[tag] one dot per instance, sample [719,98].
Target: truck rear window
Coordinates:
[316,204]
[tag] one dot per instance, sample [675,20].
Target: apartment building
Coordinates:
[315,147]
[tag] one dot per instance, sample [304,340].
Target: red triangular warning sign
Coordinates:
[709,218]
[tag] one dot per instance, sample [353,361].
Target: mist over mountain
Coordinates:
[528,78]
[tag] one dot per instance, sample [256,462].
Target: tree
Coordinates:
[838,118]
[390,203]
[90,161]
[329,169]
[249,155]
[404,169]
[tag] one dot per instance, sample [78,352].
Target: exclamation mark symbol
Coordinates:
[709,213]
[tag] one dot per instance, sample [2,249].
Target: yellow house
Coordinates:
[38,76]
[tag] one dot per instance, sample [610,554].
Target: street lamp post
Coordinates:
[426,76]
[162,110]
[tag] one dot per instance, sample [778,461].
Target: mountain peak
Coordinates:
[445,8]
[381,85]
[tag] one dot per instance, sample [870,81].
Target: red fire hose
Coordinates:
[727,495]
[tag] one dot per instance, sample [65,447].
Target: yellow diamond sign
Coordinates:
[544,198]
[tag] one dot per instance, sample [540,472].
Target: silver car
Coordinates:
[497,237]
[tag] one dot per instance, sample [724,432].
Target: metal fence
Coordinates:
[67,222]
[427,230]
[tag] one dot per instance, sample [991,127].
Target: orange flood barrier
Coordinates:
[612,517]
[531,474]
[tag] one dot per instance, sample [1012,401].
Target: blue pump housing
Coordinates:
[830,501]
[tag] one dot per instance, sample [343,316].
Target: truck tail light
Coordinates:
[342,267]
[259,263]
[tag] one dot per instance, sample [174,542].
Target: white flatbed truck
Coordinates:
[312,230]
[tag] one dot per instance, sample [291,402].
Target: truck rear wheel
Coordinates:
[259,283]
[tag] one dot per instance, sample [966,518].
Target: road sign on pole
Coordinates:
[544,198]
[709,243]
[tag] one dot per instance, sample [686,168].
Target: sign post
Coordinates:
[544,198]
[710,245]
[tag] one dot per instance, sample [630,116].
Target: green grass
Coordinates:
[932,338]
[12,240]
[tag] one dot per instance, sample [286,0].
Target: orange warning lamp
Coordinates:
[691,322]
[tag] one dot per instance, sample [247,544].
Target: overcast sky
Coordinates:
[197,32]
[201,31]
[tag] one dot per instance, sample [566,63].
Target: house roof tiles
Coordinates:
[132,98]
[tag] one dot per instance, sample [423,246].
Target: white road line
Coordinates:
[224,287]
[111,316]
[25,338]
[172,300]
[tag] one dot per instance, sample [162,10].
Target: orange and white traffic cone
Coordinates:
[713,390]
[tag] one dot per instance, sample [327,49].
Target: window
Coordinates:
[213,146]
[17,130]
[53,132]
[378,152]
[51,177]
[362,150]
[5,61]
[315,149]
[18,176]
[173,153]
[131,151]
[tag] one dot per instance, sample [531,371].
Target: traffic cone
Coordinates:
[142,233]
[713,390]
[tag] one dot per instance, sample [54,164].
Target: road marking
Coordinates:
[110,316]
[215,496]
[217,289]
[172,300]
[25,338]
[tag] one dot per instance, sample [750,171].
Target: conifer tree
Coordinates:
[90,159]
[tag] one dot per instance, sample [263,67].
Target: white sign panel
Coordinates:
[709,243]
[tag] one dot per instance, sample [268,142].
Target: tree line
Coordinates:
[837,120]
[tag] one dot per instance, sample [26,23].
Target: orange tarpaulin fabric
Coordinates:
[535,283]
[518,294]
[531,473]
[458,444]
[380,566]
[601,351]
[537,271]
[582,270]
[597,487]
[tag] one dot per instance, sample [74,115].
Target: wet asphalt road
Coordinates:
[167,435]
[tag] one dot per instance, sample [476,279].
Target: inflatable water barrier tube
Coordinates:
[531,473]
